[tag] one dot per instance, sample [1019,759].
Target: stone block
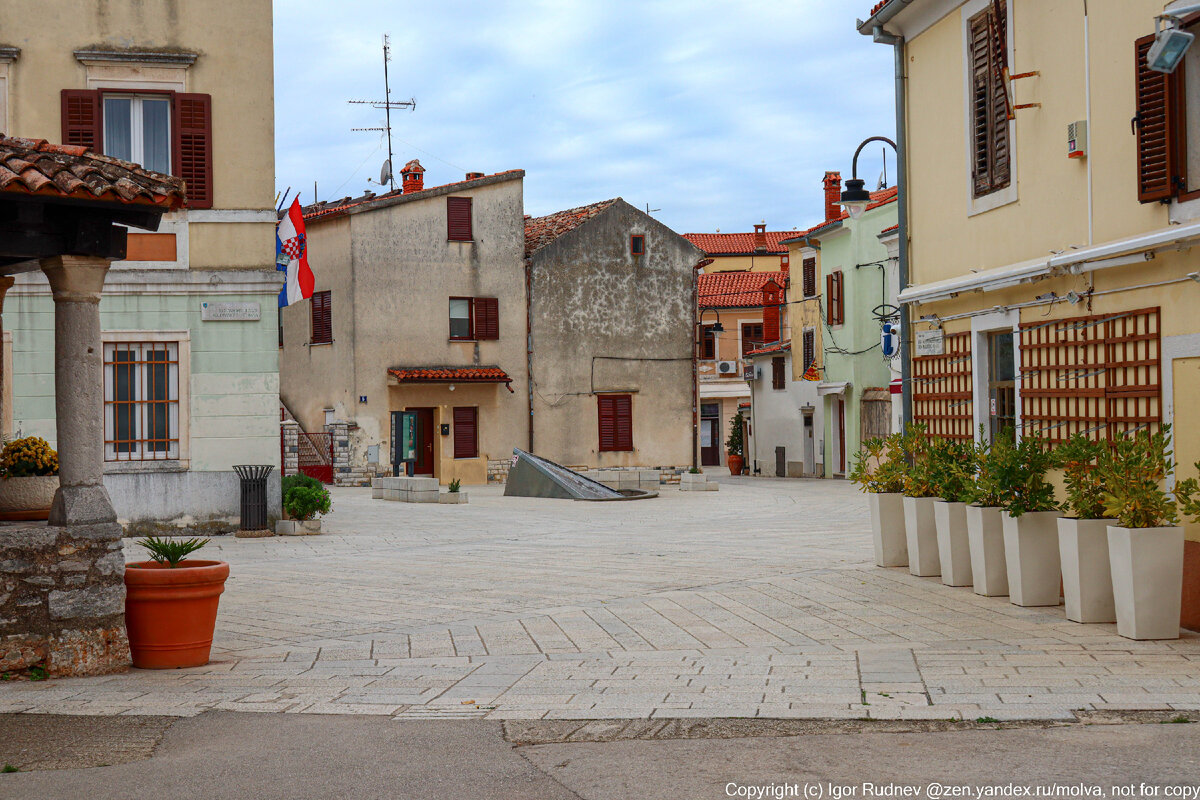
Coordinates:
[712,486]
[452,498]
[98,601]
[693,478]
[419,496]
[394,495]
[376,494]
[288,527]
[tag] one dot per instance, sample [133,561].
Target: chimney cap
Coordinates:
[413,166]
[474,175]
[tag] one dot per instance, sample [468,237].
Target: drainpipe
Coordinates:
[897,42]
[529,347]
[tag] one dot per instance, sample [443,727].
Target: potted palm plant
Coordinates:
[1030,522]
[1145,540]
[953,466]
[28,479]
[879,471]
[985,527]
[735,445]
[171,604]
[921,492]
[1083,535]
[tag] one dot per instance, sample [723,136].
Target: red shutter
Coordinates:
[466,432]
[616,422]
[322,318]
[487,318]
[608,423]
[81,119]
[191,149]
[458,219]
[1157,157]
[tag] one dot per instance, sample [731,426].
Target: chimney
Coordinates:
[833,195]
[413,175]
[471,176]
[760,238]
[771,299]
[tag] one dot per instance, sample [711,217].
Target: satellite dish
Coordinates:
[385,172]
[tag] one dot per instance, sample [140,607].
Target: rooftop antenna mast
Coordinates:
[387,104]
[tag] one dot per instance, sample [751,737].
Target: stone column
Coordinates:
[76,282]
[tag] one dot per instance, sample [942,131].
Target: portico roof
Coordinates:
[449,375]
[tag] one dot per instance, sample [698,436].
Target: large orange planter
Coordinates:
[171,613]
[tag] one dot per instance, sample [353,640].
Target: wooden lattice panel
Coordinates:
[941,389]
[1099,375]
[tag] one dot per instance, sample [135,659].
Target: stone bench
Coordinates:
[405,490]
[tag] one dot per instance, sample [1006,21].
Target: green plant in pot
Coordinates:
[29,472]
[1083,532]
[879,469]
[1145,541]
[1030,522]
[735,445]
[985,525]
[921,492]
[952,468]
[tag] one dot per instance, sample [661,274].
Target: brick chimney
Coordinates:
[772,297]
[760,238]
[414,177]
[833,195]
[471,176]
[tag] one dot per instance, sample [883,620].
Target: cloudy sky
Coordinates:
[720,114]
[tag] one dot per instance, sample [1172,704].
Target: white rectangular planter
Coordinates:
[1031,553]
[1147,578]
[887,529]
[921,535]
[1087,579]
[452,498]
[954,551]
[985,533]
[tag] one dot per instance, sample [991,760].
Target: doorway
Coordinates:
[1002,382]
[710,434]
[810,446]
[424,424]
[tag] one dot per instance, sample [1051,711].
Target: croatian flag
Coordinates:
[291,257]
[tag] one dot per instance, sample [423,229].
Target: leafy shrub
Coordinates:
[455,485]
[1133,476]
[299,479]
[952,465]
[1188,494]
[171,551]
[1013,476]
[736,442]
[1079,458]
[32,455]
[879,466]
[306,502]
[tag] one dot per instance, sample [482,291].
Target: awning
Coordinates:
[1131,250]
[832,388]
[450,375]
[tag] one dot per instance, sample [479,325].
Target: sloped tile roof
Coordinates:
[38,167]
[879,198]
[776,347]
[541,231]
[879,7]
[371,200]
[734,289]
[449,375]
[734,244]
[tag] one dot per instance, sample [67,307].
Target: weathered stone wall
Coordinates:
[62,599]
[497,471]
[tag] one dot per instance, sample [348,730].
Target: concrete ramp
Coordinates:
[534,476]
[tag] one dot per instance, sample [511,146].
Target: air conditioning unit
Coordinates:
[727,368]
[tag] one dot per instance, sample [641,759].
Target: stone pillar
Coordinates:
[76,282]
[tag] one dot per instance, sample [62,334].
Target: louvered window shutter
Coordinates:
[809,340]
[810,277]
[322,318]
[990,153]
[608,423]
[458,219]
[81,119]
[998,121]
[192,146]
[1157,156]
[487,318]
[623,412]
[777,380]
[466,432]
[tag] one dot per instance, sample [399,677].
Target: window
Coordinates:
[835,313]
[810,349]
[474,318]
[809,269]
[1168,153]
[752,337]
[466,432]
[141,401]
[777,379]
[989,110]
[322,322]
[616,422]
[708,343]
[169,132]
[637,245]
[458,219]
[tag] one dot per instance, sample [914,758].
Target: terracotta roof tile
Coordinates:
[35,166]
[338,207]
[449,375]
[732,244]
[776,347]
[734,289]
[541,231]
[879,198]
[879,6]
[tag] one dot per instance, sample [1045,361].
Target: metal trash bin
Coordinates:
[254,495]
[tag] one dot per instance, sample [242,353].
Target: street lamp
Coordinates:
[1170,43]
[856,198]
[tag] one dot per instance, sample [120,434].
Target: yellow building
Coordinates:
[1052,279]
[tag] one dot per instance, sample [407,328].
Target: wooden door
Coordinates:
[424,465]
[710,435]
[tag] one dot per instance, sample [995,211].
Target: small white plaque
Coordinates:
[230,311]
[931,343]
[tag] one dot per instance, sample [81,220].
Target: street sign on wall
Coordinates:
[931,343]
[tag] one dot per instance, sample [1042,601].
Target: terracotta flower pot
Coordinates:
[171,613]
[735,464]
[27,498]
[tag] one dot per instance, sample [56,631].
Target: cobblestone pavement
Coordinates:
[758,600]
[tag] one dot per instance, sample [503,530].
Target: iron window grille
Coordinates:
[141,401]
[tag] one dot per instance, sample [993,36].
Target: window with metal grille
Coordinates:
[466,432]
[141,401]
[474,318]
[322,318]
[458,219]
[988,46]
[810,277]
[777,377]
[810,352]
[835,309]
[752,336]
[615,412]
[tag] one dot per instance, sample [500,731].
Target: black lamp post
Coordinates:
[856,198]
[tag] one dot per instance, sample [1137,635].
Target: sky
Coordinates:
[717,115]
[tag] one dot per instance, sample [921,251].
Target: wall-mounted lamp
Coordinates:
[1170,42]
[932,319]
[1074,298]
[1048,297]
[855,197]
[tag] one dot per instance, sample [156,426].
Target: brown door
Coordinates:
[424,465]
[841,418]
[710,434]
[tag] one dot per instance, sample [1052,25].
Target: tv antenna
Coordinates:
[387,104]
[650,210]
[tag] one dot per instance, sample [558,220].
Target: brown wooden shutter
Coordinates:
[191,147]
[458,219]
[752,337]
[991,167]
[777,379]
[81,119]
[999,112]
[322,318]
[466,432]
[608,423]
[810,277]
[623,410]
[1157,146]
[487,318]
[809,348]
[834,311]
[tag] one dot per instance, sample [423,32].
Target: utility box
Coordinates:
[1077,139]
